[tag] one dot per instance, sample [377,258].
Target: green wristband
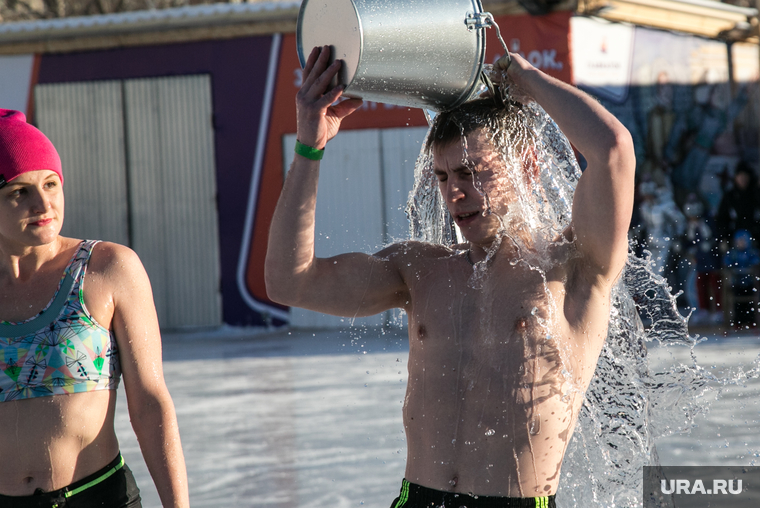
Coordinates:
[309,152]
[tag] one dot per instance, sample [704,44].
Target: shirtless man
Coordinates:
[493,390]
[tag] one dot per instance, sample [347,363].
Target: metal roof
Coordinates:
[150,20]
[708,18]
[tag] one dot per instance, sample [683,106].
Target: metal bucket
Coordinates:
[420,53]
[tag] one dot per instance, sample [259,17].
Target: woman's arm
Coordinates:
[151,409]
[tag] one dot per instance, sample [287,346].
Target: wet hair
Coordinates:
[498,120]
[486,114]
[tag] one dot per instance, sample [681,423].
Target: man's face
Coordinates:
[477,190]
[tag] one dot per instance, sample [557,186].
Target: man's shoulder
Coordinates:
[415,249]
[414,256]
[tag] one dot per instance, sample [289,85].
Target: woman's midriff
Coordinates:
[51,442]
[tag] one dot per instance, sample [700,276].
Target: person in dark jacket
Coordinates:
[740,206]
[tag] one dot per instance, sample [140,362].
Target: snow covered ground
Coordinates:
[312,419]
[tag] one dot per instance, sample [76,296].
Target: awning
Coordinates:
[706,18]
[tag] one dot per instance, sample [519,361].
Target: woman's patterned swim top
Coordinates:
[62,349]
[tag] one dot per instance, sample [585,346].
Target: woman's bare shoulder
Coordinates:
[115,260]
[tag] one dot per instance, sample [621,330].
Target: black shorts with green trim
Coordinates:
[417,496]
[113,486]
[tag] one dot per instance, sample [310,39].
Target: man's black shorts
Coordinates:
[417,496]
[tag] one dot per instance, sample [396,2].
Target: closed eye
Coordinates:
[461,172]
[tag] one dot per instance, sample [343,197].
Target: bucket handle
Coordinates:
[476,21]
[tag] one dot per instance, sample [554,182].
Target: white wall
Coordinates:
[15,81]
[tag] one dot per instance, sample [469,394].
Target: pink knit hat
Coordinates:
[24,148]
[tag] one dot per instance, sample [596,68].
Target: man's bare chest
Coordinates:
[495,317]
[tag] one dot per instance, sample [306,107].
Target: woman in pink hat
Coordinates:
[74,315]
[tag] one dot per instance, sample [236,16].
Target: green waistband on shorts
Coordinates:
[97,480]
[408,489]
[404,496]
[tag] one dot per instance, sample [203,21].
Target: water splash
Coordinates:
[626,406]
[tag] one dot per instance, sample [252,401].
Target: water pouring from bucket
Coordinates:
[626,406]
[391,52]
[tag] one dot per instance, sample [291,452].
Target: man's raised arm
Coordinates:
[347,285]
[603,201]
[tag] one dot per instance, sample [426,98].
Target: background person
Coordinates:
[740,205]
[703,281]
[742,262]
[497,370]
[74,315]
[663,223]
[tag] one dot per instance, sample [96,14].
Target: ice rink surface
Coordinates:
[312,419]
